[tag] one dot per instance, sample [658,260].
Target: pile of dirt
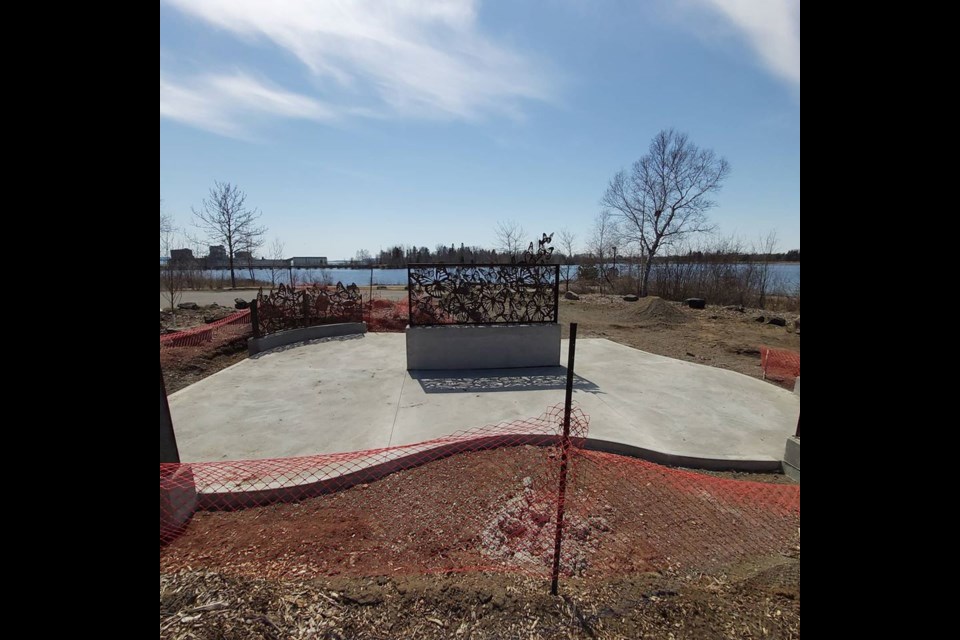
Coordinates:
[522,533]
[654,310]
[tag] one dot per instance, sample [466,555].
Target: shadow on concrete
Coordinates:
[474,381]
[304,343]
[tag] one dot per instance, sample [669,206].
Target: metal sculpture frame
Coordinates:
[483,294]
[293,308]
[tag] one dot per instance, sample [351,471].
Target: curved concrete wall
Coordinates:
[259,496]
[281,338]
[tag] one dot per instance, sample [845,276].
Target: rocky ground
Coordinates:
[181,319]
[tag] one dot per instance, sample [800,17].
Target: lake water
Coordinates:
[784,275]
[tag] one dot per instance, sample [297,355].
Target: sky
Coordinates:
[361,124]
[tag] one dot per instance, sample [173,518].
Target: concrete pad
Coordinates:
[682,408]
[354,393]
[338,394]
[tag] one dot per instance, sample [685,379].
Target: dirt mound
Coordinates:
[654,310]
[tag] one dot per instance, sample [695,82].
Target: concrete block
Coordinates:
[282,338]
[791,458]
[178,501]
[791,471]
[792,452]
[483,346]
[796,386]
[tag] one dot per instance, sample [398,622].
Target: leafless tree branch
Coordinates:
[226,219]
[665,196]
[568,241]
[510,237]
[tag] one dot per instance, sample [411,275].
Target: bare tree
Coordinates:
[166,226]
[665,196]
[764,250]
[166,223]
[251,268]
[227,220]
[603,239]
[363,257]
[568,241]
[175,271]
[510,237]
[277,250]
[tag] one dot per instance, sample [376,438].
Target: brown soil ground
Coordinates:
[653,553]
[714,336]
[185,365]
[171,321]
[182,366]
[759,601]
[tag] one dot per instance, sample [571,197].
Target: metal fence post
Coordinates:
[255,318]
[556,294]
[371,292]
[409,298]
[564,460]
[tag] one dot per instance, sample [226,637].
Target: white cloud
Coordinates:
[386,57]
[771,27]
[222,103]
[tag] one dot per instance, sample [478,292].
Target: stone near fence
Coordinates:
[632,297]
[191,306]
[760,319]
[696,303]
[570,295]
[240,303]
[735,307]
[796,324]
[777,320]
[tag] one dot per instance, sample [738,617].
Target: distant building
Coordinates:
[217,252]
[308,262]
[268,263]
[243,255]
[181,255]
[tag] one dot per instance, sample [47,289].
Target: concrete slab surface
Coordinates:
[353,392]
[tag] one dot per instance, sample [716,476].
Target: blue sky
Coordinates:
[362,124]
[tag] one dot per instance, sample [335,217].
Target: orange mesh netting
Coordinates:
[483,499]
[780,364]
[205,333]
[387,315]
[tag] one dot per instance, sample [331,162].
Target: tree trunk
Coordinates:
[233,278]
[645,282]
